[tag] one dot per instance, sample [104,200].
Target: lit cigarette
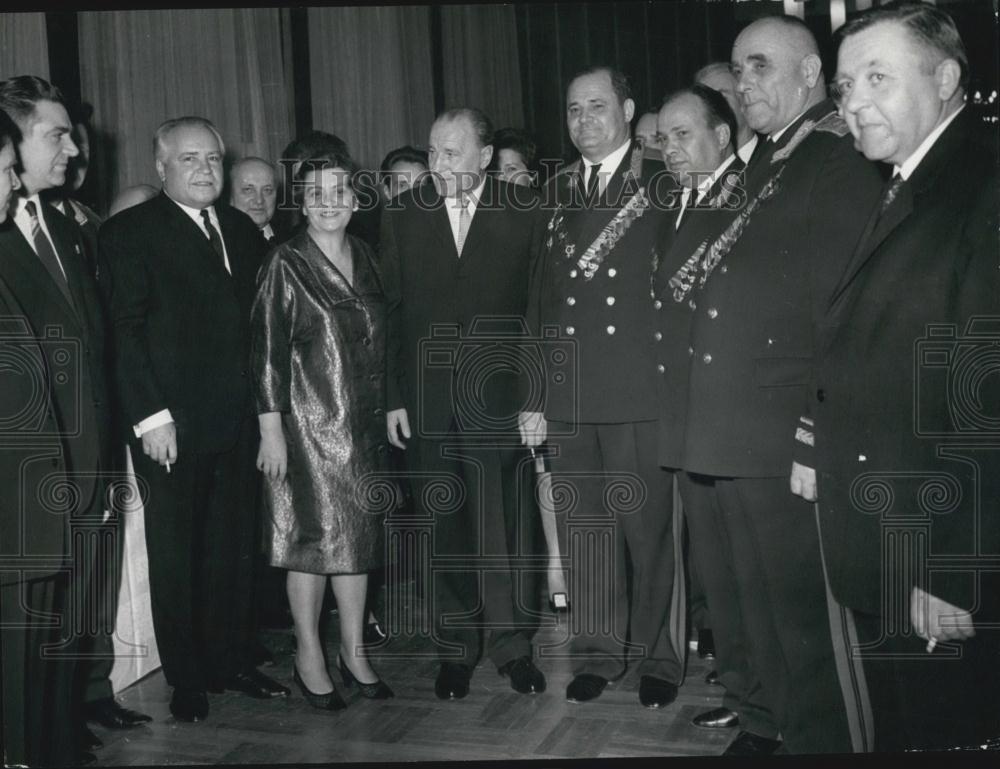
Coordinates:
[931,644]
[168,467]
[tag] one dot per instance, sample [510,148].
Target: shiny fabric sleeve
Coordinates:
[270,338]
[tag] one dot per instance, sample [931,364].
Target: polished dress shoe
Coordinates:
[189,704]
[329,701]
[257,685]
[749,744]
[655,692]
[373,634]
[378,690]
[452,681]
[525,678]
[109,714]
[706,644]
[712,678]
[584,687]
[87,740]
[718,718]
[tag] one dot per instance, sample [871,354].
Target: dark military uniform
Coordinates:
[593,285]
[768,276]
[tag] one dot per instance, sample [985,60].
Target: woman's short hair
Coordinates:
[332,158]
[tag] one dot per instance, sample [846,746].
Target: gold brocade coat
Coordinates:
[318,358]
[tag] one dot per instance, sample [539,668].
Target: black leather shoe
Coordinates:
[718,718]
[524,676]
[452,681]
[109,714]
[584,687]
[377,690]
[329,701]
[655,692]
[712,679]
[189,704]
[748,744]
[257,685]
[87,740]
[706,645]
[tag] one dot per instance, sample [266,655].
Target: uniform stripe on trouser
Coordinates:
[678,597]
[850,672]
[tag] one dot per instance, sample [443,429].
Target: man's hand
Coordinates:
[160,444]
[803,482]
[272,456]
[397,427]
[935,619]
[533,427]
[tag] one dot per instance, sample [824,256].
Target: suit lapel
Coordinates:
[589,221]
[22,262]
[70,255]
[921,183]
[189,231]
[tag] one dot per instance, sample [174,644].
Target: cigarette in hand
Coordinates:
[168,467]
[931,644]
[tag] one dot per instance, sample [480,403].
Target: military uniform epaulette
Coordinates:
[833,123]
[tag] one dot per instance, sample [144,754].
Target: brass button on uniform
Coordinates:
[657,304]
[707,357]
[570,330]
[612,272]
[657,336]
[713,313]
[611,329]
[610,300]
[690,351]
[661,368]
[570,300]
[572,273]
[724,269]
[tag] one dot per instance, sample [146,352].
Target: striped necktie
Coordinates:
[46,253]
[464,220]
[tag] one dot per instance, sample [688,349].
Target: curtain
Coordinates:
[139,68]
[371,77]
[481,66]
[24,48]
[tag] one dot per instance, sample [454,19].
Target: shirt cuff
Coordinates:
[158,419]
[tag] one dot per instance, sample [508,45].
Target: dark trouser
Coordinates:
[39,714]
[105,543]
[711,534]
[776,558]
[697,601]
[935,701]
[485,516]
[201,532]
[612,502]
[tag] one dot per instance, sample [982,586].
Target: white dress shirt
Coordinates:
[454,208]
[703,188]
[910,164]
[746,151]
[608,166]
[23,221]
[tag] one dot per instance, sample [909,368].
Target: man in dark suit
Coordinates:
[756,291]
[42,263]
[456,256]
[698,129]
[178,273]
[253,189]
[907,393]
[594,285]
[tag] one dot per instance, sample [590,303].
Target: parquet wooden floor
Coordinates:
[493,722]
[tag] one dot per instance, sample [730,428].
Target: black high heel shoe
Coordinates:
[376,691]
[559,603]
[329,701]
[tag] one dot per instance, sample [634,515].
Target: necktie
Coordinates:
[464,219]
[213,236]
[891,191]
[592,181]
[46,253]
[685,202]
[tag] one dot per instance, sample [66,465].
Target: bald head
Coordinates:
[645,129]
[718,77]
[252,189]
[778,72]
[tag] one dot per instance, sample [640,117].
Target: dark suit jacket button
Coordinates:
[368,342]
[821,395]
